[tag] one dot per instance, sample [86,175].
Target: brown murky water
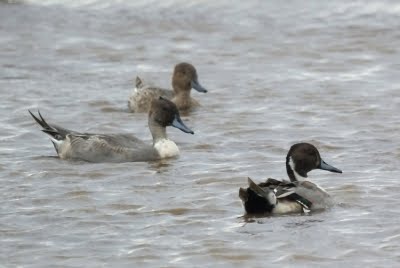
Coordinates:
[277,73]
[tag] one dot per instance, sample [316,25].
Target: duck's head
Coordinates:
[302,158]
[185,78]
[165,113]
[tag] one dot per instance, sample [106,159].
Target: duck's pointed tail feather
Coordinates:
[256,189]
[138,82]
[40,121]
[257,199]
[56,133]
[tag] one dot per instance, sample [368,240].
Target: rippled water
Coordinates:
[277,73]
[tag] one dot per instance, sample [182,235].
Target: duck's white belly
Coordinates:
[166,148]
[284,207]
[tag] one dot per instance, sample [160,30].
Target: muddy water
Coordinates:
[277,73]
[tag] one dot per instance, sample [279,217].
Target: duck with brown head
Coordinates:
[184,79]
[294,196]
[119,147]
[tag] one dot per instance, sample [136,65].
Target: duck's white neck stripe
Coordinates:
[296,175]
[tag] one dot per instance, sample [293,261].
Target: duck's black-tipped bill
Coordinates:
[196,85]
[180,125]
[327,167]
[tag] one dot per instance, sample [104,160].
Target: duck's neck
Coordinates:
[163,146]
[182,98]
[291,171]
[157,132]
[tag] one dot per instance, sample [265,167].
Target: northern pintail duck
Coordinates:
[294,196]
[119,147]
[184,79]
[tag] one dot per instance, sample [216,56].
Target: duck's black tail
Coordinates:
[57,134]
[257,199]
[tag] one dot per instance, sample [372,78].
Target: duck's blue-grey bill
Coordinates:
[180,125]
[327,167]
[196,85]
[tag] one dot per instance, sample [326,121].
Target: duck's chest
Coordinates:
[166,148]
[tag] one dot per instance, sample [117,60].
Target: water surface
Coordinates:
[277,73]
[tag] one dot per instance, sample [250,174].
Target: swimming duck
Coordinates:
[184,79]
[119,147]
[294,196]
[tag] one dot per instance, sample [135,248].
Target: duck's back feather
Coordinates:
[142,96]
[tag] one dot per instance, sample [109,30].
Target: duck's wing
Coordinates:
[286,190]
[107,148]
[120,140]
[290,193]
[157,92]
[142,95]
[273,183]
[142,88]
[276,194]
[314,193]
[306,193]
